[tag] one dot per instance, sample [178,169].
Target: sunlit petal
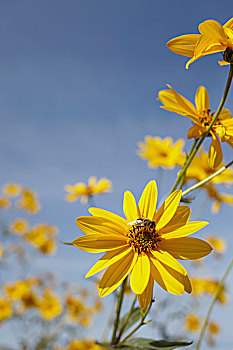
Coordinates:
[93,243]
[100,225]
[215,153]
[118,220]
[180,218]
[129,206]
[167,209]
[202,99]
[140,274]
[185,230]
[148,200]
[145,298]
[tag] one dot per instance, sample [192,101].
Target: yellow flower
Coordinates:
[78,311]
[199,170]
[83,345]
[218,244]
[4,203]
[12,189]
[5,309]
[16,290]
[218,197]
[50,305]
[162,152]
[207,286]
[1,250]
[201,117]
[213,38]
[28,201]
[42,237]
[19,226]
[84,191]
[144,245]
[212,330]
[192,322]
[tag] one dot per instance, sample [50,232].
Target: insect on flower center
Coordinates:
[142,235]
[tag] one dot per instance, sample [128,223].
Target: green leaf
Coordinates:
[134,317]
[150,344]
[146,344]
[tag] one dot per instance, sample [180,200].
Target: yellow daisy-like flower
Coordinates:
[4,203]
[213,38]
[199,170]
[19,226]
[12,189]
[145,245]
[208,286]
[162,152]
[192,322]
[28,201]
[83,191]
[50,305]
[201,117]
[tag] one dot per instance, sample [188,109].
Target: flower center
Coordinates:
[206,117]
[142,235]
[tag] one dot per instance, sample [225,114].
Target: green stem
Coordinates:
[193,153]
[140,324]
[126,320]
[198,184]
[119,304]
[218,290]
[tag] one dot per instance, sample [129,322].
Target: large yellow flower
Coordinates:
[213,38]
[201,116]
[144,245]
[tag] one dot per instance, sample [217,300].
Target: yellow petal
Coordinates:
[167,259]
[140,274]
[100,225]
[225,114]
[118,220]
[223,63]
[145,298]
[167,209]
[175,102]
[93,243]
[116,273]
[163,276]
[215,155]
[211,28]
[129,206]
[107,260]
[184,45]
[180,218]
[195,132]
[185,230]
[148,200]
[229,24]
[202,99]
[186,248]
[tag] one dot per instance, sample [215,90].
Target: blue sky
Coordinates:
[78,88]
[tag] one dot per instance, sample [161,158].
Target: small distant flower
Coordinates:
[78,311]
[28,201]
[12,189]
[212,330]
[145,245]
[218,197]
[83,345]
[43,237]
[1,250]
[207,286]
[5,309]
[19,226]
[162,152]
[192,322]
[4,203]
[16,290]
[50,305]
[213,38]
[201,117]
[83,191]
[199,170]
[217,243]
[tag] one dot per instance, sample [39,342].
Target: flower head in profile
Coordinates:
[145,245]
[162,152]
[83,191]
[199,170]
[213,38]
[201,116]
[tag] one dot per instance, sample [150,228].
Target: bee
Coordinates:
[138,222]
